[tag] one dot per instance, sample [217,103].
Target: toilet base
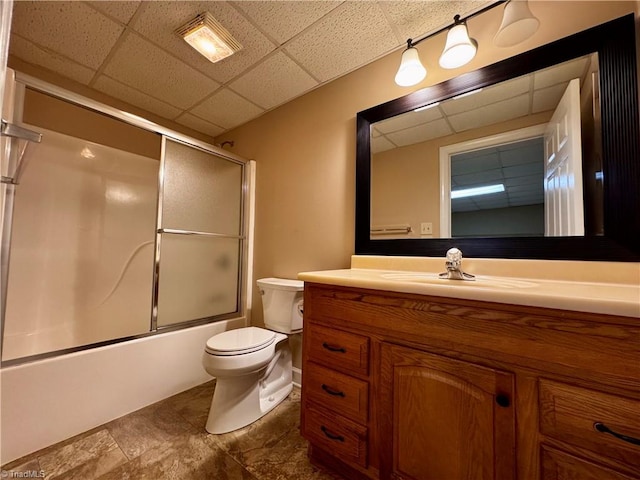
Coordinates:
[241,400]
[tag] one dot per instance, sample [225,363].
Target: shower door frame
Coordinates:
[246,220]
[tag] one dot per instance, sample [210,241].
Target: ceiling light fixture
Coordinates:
[411,70]
[475,191]
[209,37]
[518,24]
[460,48]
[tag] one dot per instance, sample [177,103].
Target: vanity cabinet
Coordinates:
[405,386]
[445,419]
[335,398]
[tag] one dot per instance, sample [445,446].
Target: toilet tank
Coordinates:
[282,304]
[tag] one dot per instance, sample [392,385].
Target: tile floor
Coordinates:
[167,440]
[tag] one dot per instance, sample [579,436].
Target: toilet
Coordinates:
[252,365]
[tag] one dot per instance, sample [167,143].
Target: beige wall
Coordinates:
[48,112]
[305,150]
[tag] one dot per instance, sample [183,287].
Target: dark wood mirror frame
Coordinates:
[614,42]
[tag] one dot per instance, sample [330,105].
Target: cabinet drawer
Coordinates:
[345,395]
[343,351]
[569,413]
[343,438]
[562,466]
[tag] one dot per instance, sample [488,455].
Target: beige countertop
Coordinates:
[533,289]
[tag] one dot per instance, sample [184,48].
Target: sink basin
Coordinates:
[479,282]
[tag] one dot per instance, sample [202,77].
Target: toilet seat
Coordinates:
[240,341]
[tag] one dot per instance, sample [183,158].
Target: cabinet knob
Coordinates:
[503,400]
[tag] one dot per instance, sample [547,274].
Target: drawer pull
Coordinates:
[601,427]
[503,400]
[333,348]
[333,392]
[330,435]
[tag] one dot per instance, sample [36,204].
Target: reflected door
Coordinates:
[200,236]
[564,211]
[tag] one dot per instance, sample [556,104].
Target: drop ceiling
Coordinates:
[526,95]
[129,50]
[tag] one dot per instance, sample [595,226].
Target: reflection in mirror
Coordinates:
[519,158]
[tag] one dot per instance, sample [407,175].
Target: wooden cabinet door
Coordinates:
[443,419]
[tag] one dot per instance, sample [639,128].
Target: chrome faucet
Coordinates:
[454,267]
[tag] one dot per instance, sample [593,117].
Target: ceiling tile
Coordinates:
[121,11]
[159,20]
[145,67]
[353,34]
[227,109]
[71,28]
[274,82]
[491,114]
[32,53]
[532,143]
[560,73]
[487,96]
[381,144]
[479,178]
[283,20]
[461,164]
[515,181]
[547,99]
[526,154]
[409,119]
[420,133]
[417,18]
[529,188]
[199,124]
[135,97]
[523,170]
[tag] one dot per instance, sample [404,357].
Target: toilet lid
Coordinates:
[239,341]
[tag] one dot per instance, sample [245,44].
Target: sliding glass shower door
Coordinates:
[118,230]
[81,246]
[200,235]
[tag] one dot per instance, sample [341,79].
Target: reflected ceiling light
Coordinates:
[459,49]
[518,24]
[475,191]
[427,107]
[87,153]
[209,38]
[411,70]
[462,95]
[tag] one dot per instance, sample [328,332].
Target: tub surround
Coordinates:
[594,287]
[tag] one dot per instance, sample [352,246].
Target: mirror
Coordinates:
[493,153]
[409,162]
